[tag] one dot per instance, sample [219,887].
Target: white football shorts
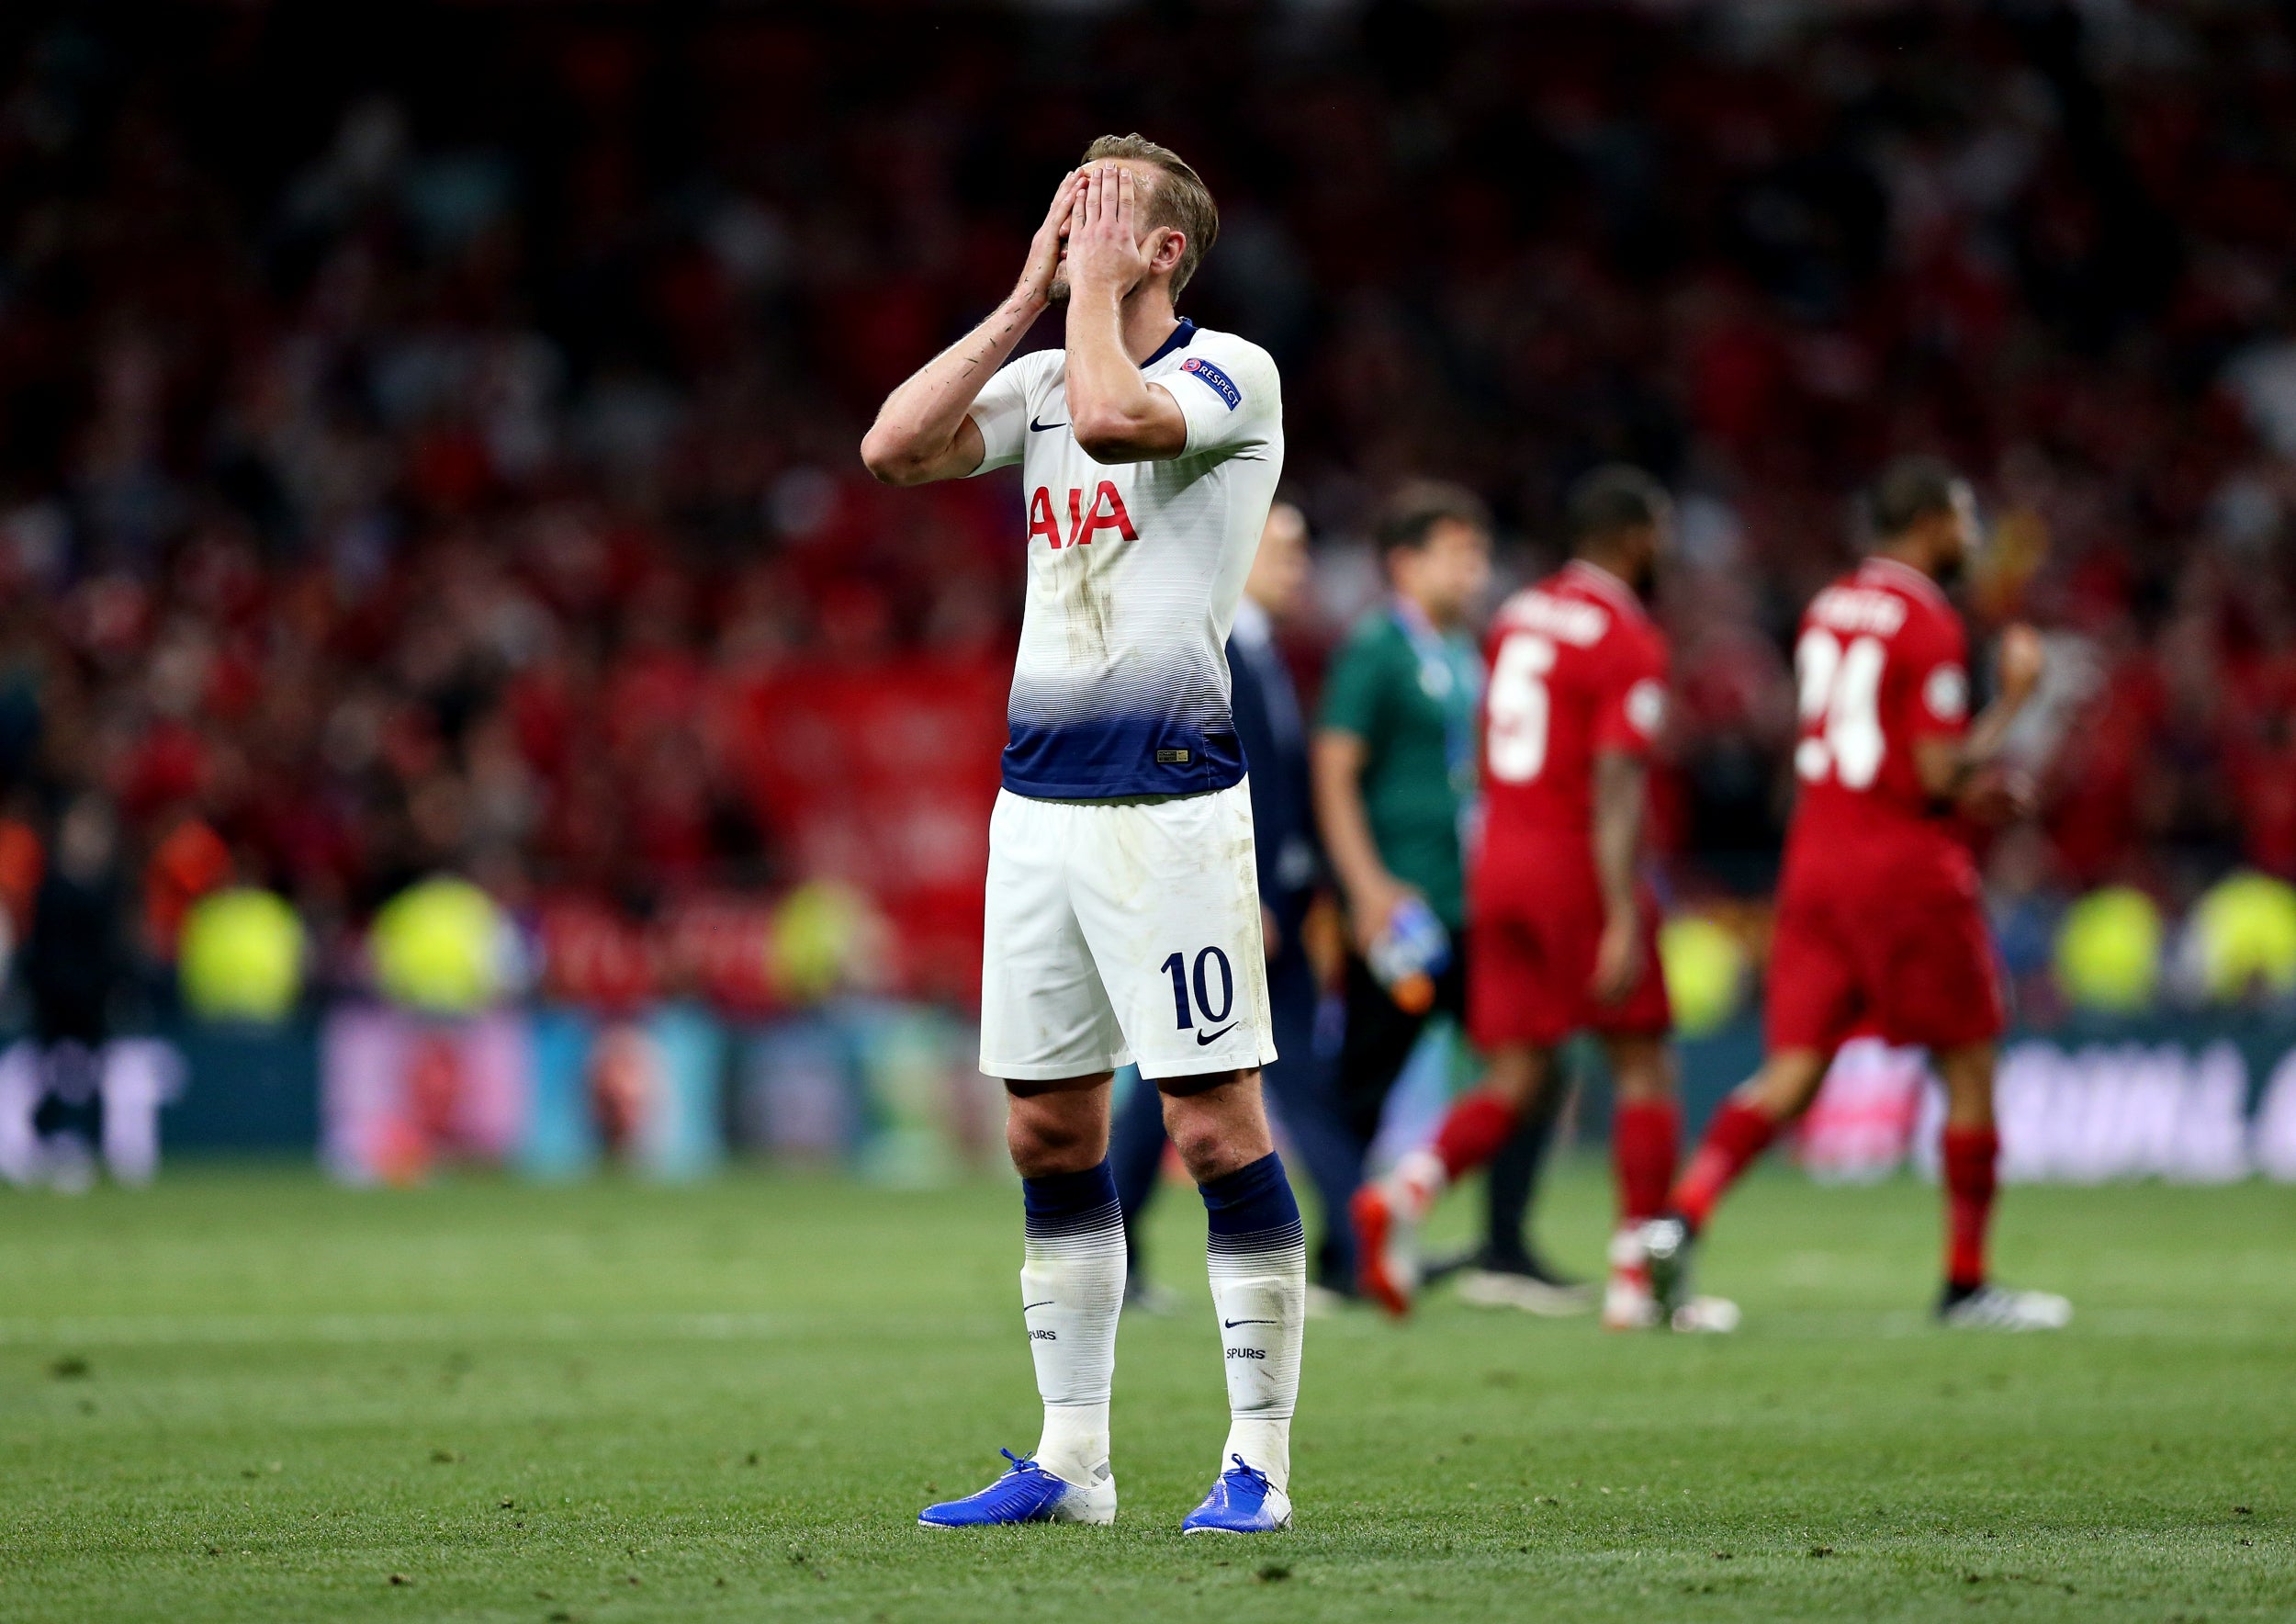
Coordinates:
[1123,930]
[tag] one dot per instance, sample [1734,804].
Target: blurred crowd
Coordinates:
[427,434]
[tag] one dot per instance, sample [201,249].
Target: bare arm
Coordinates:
[1619,782]
[922,432]
[1947,766]
[1336,763]
[1116,416]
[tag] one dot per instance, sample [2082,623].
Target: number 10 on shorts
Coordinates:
[1211,973]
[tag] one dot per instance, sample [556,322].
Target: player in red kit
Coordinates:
[1880,924]
[1562,932]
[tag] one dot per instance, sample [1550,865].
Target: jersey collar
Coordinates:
[1605,582]
[1908,575]
[1178,339]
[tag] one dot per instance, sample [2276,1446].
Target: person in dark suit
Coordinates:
[75,966]
[1300,1085]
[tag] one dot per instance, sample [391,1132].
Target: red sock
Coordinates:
[1970,1156]
[1474,1130]
[1737,1135]
[1644,1138]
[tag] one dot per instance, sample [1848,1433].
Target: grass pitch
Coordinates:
[244,1395]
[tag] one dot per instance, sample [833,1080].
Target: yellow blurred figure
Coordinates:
[817,933]
[241,956]
[1706,970]
[2109,950]
[437,947]
[2245,933]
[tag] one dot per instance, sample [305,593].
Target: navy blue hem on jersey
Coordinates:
[1117,758]
[1177,339]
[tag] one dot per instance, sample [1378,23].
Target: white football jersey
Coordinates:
[1135,571]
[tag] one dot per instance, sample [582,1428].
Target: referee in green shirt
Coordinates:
[1394,765]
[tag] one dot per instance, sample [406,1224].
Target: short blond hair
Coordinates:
[1178,201]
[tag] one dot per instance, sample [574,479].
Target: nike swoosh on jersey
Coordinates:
[1037,428]
[1212,1037]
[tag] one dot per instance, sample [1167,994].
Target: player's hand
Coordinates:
[1372,905]
[2023,657]
[1035,287]
[1104,247]
[2020,794]
[1618,958]
[1998,795]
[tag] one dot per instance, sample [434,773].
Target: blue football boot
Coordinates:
[1241,1501]
[1027,1494]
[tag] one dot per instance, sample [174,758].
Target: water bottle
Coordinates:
[1407,957]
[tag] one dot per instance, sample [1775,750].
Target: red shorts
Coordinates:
[1917,967]
[1535,924]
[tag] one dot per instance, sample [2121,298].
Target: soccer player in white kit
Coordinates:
[1123,919]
